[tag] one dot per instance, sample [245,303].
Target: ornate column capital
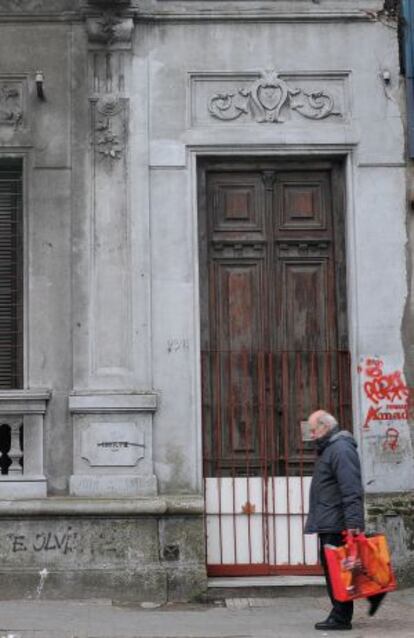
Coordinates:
[110,31]
[109,23]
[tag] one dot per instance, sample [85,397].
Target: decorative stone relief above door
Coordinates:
[228,98]
[265,99]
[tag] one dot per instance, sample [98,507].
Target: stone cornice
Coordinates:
[213,16]
[106,402]
[111,4]
[66,16]
[191,10]
[268,17]
[179,505]
[31,401]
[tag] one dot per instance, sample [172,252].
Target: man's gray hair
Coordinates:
[324,418]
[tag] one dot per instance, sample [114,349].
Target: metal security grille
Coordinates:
[258,458]
[11,311]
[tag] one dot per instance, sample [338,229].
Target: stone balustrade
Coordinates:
[21,443]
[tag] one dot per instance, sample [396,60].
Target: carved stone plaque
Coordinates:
[11,103]
[112,444]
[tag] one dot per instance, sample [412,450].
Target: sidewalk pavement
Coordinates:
[283,617]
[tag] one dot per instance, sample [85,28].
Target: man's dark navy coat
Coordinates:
[336,493]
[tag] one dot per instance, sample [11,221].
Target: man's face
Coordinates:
[317,429]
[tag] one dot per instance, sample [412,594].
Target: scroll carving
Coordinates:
[11,104]
[315,105]
[265,100]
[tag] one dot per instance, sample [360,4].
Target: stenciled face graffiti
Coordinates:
[391,440]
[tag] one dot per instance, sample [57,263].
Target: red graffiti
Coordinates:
[391,443]
[375,414]
[374,368]
[383,386]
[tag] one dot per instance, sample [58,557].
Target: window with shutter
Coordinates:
[11,280]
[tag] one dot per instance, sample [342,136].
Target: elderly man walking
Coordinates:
[335,503]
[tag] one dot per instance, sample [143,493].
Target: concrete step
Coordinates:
[250,588]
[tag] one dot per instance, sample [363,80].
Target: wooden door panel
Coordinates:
[235,305]
[272,243]
[236,439]
[237,206]
[304,305]
[237,337]
[302,203]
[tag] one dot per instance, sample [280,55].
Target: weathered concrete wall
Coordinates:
[43,139]
[86,549]
[169,72]
[369,131]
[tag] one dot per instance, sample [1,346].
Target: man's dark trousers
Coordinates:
[341,612]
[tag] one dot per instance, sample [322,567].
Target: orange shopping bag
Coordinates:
[360,568]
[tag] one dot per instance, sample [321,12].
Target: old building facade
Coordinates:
[204,237]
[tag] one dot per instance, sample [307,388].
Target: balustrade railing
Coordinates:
[11,448]
[21,443]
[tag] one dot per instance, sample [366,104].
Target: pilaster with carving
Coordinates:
[111,286]
[112,418]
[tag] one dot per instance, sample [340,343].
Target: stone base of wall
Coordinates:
[393,514]
[127,550]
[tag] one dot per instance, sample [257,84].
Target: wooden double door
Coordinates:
[273,334]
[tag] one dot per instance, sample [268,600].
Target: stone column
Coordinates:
[112,403]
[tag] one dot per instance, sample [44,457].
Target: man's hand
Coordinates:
[353,532]
[352,562]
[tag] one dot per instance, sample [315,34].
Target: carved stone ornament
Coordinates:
[109,128]
[112,444]
[11,109]
[266,98]
[110,30]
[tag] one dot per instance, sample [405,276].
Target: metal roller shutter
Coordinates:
[11,311]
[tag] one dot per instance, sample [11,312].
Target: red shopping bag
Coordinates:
[360,568]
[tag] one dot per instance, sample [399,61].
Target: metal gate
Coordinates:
[256,489]
[274,348]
